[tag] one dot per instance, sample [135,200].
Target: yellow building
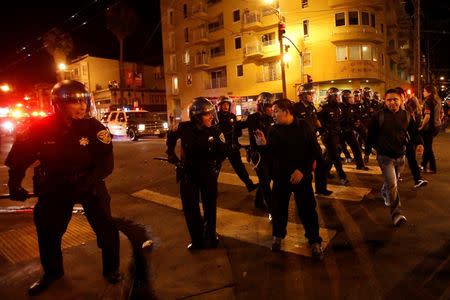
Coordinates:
[231,47]
[144,85]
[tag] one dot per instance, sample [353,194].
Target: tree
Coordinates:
[58,44]
[121,20]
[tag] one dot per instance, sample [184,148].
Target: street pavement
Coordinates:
[365,256]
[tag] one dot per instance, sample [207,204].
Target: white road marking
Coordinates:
[247,228]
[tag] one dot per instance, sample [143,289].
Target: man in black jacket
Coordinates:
[293,147]
[388,132]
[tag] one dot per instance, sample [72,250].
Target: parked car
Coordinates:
[134,124]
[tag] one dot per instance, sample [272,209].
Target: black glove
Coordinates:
[173,159]
[18,194]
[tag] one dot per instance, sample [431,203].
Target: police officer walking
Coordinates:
[348,121]
[330,118]
[261,120]
[229,126]
[76,155]
[362,119]
[202,151]
[304,109]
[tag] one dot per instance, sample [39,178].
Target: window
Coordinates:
[353,18]
[372,20]
[366,52]
[271,71]
[185,11]
[217,24]
[354,52]
[174,84]
[218,49]
[218,78]
[236,15]
[113,116]
[307,59]
[173,63]
[375,54]
[186,57]
[186,35]
[365,18]
[382,59]
[341,53]
[237,43]
[304,3]
[340,19]
[170,16]
[172,41]
[268,39]
[84,70]
[240,70]
[382,28]
[305,27]
[392,66]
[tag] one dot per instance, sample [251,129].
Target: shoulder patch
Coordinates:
[104,136]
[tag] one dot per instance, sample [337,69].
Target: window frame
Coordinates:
[236,38]
[357,18]
[345,47]
[241,67]
[336,20]
[238,15]
[305,22]
[367,14]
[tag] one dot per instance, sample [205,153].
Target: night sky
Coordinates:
[22,24]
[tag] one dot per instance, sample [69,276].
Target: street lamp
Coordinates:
[5,88]
[442,78]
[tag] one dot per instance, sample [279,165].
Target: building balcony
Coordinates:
[266,76]
[199,10]
[252,20]
[201,61]
[253,50]
[377,4]
[200,36]
[392,48]
[356,34]
[271,49]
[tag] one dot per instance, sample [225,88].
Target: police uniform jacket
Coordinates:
[229,126]
[348,117]
[307,112]
[292,147]
[202,149]
[330,118]
[72,158]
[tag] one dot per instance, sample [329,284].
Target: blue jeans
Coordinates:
[391,167]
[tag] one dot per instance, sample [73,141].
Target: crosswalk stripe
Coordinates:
[244,227]
[373,170]
[348,193]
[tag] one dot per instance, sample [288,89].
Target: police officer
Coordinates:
[348,121]
[362,119]
[230,127]
[76,155]
[304,109]
[330,118]
[373,105]
[261,120]
[202,151]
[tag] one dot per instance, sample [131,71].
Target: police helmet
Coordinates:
[376,96]
[304,90]
[332,94]
[356,93]
[224,99]
[345,95]
[264,100]
[69,92]
[199,107]
[367,92]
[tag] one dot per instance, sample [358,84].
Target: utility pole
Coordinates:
[281,31]
[417,56]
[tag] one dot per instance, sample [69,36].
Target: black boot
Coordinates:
[113,277]
[42,284]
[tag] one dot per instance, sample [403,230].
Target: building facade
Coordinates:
[144,85]
[231,47]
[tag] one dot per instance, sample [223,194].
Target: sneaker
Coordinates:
[324,192]
[270,218]
[420,183]
[316,251]
[344,181]
[348,160]
[276,244]
[399,220]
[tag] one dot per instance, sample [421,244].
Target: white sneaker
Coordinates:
[420,183]
[399,220]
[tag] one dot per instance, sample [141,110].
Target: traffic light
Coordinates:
[309,78]
[281,28]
